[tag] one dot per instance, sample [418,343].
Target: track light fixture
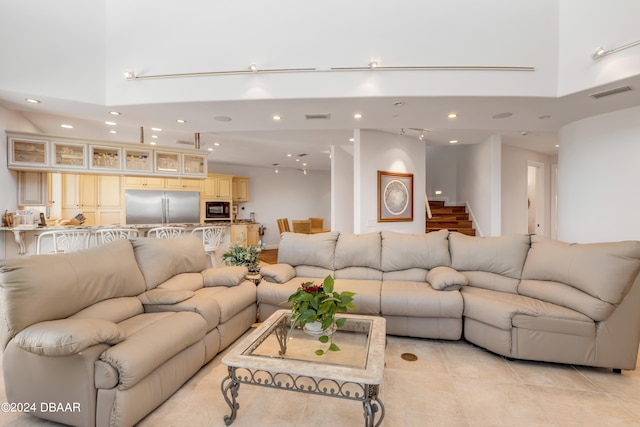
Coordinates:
[129,75]
[374,64]
[600,52]
[253,67]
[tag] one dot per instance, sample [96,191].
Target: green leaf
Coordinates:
[324,339]
[319,352]
[340,322]
[328,284]
[333,347]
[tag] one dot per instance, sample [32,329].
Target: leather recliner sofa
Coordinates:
[521,296]
[111,332]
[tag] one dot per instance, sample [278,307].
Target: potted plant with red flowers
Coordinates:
[313,308]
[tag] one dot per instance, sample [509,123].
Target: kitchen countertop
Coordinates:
[98,227]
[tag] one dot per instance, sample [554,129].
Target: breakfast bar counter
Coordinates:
[21,240]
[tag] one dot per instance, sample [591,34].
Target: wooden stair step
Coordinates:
[462,230]
[449,209]
[449,224]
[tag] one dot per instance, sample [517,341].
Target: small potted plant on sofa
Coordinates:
[313,308]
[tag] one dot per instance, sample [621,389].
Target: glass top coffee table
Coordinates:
[272,357]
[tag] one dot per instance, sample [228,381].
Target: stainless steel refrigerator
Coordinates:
[162,207]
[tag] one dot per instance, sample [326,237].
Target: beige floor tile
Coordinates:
[553,375]
[472,362]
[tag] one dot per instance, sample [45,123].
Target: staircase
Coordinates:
[452,218]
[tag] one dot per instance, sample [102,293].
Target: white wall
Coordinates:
[585,25]
[442,172]
[479,184]
[342,188]
[514,188]
[598,176]
[394,153]
[286,194]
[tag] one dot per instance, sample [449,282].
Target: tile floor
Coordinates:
[451,384]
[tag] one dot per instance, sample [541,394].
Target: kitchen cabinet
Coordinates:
[105,158]
[240,189]
[138,160]
[28,153]
[144,182]
[167,162]
[68,155]
[34,188]
[245,234]
[97,197]
[183,184]
[194,164]
[218,187]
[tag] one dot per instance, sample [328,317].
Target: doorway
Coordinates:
[535,198]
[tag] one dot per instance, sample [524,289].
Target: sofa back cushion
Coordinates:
[603,271]
[358,256]
[310,250]
[500,255]
[405,251]
[55,286]
[161,259]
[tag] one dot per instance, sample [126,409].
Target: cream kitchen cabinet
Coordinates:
[97,197]
[245,234]
[218,187]
[184,184]
[144,182]
[27,153]
[240,189]
[34,188]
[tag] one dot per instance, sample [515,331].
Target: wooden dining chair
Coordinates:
[301,226]
[317,222]
[283,225]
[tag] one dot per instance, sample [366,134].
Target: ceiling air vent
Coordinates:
[317,116]
[610,92]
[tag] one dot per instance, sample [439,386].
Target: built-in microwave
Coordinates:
[217,210]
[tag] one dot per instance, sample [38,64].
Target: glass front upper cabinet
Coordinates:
[26,152]
[167,162]
[194,164]
[105,158]
[136,160]
[69,156]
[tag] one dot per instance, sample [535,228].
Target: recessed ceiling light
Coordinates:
[288,155]
[114,113]
[181,121]
[351,139]
[157,129]
[152,143]
[113,131]
[209,149]
[453,141]
[357,116]
[33,101]
[154,136]
[66,126]
[110,123]
[222,118]
[452,115]
[304,164]
[557,145]
[438,192]
[297,160]
[276,117]
[217,144]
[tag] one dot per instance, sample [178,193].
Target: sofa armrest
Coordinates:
[67,336]
[224,276]
[278,273]
[446,279]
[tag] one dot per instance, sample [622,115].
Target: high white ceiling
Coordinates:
[253,138]
[75,68]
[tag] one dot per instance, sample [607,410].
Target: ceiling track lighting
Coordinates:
[141,135]
[600,52]
[196,141]
[373,65]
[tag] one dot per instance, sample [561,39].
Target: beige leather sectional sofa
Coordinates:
[520,296]
[111,332]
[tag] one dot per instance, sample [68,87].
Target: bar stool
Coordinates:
[166,232]
[106,235]
[211,238]
[64,240]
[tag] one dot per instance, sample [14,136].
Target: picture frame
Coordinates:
[395,196]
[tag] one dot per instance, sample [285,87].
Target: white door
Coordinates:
[535,198]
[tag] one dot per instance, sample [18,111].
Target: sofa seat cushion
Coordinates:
[499,309]
[151,340]
[419,299]
[200,302]
[230,300]
[164,296]
[367,294]
[277,294]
